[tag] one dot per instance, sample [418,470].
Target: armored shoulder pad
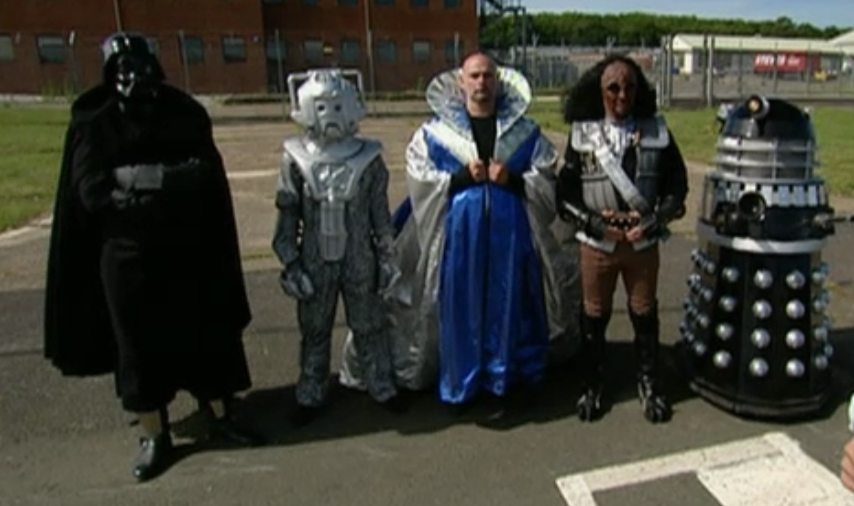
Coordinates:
[580,140]
[654,133]
[296,151]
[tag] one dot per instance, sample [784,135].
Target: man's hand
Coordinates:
[635,233]
[477,169]
[498,172]
[847,473]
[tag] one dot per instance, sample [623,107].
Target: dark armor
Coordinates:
[755,327]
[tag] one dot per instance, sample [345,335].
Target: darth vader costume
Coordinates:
[144,278]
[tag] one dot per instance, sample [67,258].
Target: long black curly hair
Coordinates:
[584,101]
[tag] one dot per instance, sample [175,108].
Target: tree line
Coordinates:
[632,29]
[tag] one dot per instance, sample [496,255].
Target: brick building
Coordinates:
[234,46]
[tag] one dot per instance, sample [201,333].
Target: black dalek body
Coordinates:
[755,327]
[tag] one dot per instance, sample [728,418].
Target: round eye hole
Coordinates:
[321,108]
[337,107]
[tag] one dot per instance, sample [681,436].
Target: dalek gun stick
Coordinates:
[755,328]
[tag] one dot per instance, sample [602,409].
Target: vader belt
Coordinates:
[157,177]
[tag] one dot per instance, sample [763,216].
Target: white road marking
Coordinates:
[248,174]
[770,469]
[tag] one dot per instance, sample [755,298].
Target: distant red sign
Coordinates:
[786,62]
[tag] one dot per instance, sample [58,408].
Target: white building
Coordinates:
[755,54]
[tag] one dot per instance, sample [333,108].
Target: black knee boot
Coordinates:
[592,357]
[656,407]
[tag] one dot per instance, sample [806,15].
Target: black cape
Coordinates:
[184,254]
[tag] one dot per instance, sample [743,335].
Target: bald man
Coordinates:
[483,286]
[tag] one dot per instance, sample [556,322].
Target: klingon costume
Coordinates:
[144,277]
[484,284]
[334,235]
[620,174]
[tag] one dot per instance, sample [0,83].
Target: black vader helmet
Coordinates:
[130,67]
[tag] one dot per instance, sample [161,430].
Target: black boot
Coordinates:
[227,429]
[155,452]
[656,407]
[589,405]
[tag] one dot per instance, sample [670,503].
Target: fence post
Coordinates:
[280,75]
[184,63]
[710,74]
[72,63]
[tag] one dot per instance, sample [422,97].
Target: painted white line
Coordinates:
[729,471]
[248,174]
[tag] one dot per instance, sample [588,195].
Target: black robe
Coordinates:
[153,292]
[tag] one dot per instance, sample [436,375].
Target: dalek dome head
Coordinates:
[768,118]
[766,138]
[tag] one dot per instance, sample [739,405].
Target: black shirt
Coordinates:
[484,131]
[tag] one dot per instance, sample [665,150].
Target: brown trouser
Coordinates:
[599,271]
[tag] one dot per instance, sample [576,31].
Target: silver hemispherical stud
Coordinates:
[795,338]
[758,367]
[761,309]
[704,321]
[710,267]
[795,280]
[760,338]
[708,295]
[828,350]
[763,279]
[821,362]
[820,333]
[795,309]
[722,359]
[819,275]
[727,303]
[818,305]
[724,331]
[699,348]
[730,274]
[795,368]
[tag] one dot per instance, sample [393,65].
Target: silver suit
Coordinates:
[334,233]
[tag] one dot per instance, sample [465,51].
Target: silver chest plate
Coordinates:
[332,180]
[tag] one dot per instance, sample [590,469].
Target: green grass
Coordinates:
[31,144]
[30,150]
[696,133]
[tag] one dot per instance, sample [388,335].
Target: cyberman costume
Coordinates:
[144,277]
[622,166]
[755,327]
[334,234]
[484,284]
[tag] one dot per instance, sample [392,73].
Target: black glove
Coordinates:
[595,226]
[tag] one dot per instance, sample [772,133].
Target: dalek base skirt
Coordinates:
[755,327]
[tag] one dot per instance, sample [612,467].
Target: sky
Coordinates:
[820,13]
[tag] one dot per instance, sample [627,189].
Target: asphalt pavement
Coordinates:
[65,441]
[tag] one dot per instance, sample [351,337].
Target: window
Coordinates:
[421,51]
[272,51]
[7,51]
[193,50]
[312,51]
[233,49]
[453,4]
[453,52]
[351,51]
[51,48]
[387,51]
[153,45]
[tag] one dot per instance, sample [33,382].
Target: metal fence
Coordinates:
[705,74]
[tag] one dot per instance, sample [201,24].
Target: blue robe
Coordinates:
[493,328]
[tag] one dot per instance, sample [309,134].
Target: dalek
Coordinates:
[755,330]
